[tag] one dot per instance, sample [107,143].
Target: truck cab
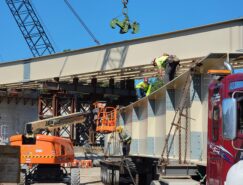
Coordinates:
[225,126]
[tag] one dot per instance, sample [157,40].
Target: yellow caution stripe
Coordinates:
[38,156]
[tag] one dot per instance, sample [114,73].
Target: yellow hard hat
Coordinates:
[119,129]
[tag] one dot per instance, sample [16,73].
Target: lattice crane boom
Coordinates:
[30,26]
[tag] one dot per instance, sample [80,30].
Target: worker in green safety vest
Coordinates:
[169,64]
[142,88]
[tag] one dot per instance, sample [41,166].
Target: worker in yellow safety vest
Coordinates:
[169,64]
[142,88]
[126,139]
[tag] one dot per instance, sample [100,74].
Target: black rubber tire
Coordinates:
[75,176]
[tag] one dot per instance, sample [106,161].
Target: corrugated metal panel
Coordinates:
[170,99]
[134,147]
[152,117]
[150,145]
[9,164]
[196,92]
[14,116]
[26,71]
[196,146]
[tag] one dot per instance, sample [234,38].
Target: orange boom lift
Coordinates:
[42,156]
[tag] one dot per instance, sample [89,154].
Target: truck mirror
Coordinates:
[229,117]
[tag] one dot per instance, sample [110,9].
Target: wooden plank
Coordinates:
[9,164]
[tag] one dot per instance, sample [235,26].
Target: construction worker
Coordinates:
[126,139]
[169,63]
[142,88]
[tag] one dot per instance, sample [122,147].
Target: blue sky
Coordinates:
[154,16]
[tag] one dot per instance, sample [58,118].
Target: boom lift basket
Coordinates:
[106,120]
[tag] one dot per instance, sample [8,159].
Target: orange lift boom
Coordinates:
[44,155]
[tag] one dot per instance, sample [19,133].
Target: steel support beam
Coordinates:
[178,170]
[87,89]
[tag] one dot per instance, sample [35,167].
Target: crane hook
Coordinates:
[125,25]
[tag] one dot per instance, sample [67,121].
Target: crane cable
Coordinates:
[124,10]
[81,22]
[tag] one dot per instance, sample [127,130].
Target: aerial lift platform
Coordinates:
[43,155]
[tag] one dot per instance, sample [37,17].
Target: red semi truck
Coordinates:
[225,127]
